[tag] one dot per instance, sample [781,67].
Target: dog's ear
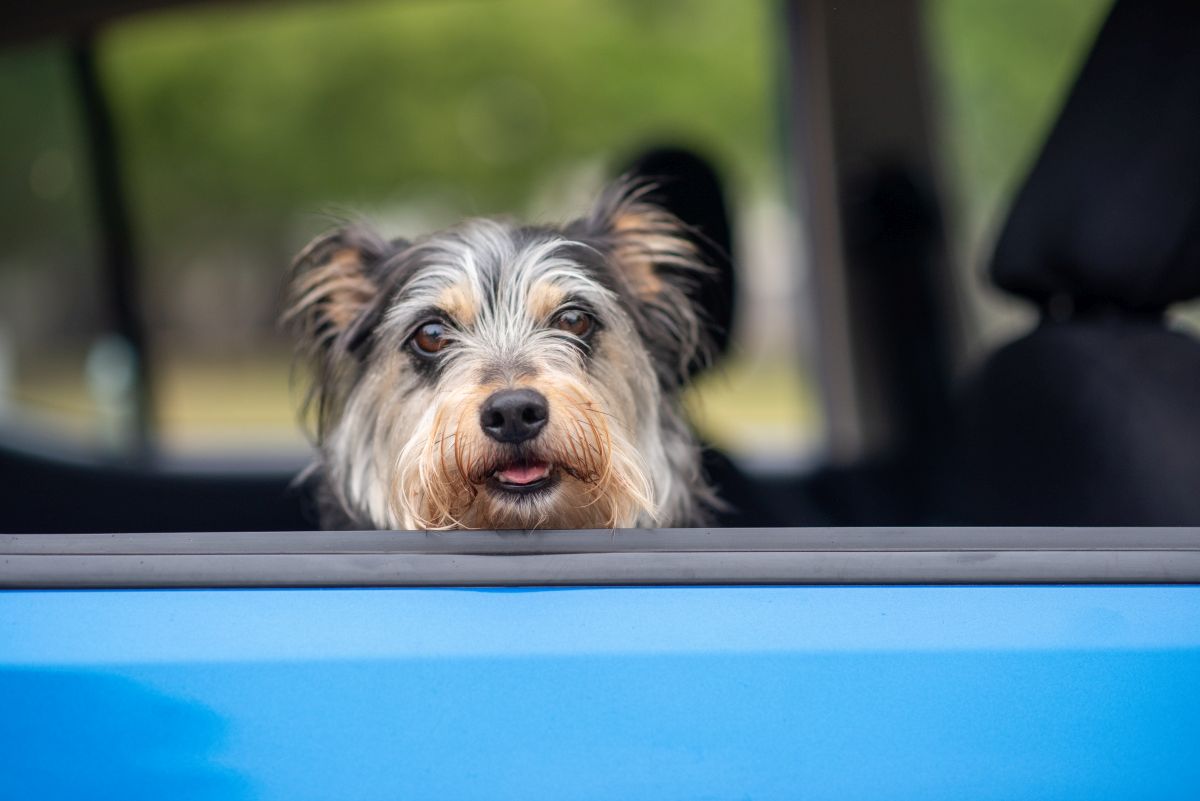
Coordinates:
[660,266]
[650,246]
[335,293]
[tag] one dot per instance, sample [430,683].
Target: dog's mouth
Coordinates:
[523,477]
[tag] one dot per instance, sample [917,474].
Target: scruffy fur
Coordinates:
[399,438]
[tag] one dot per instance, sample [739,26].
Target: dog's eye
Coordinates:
[574,321]
[429,338]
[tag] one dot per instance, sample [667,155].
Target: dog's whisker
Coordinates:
[591,409]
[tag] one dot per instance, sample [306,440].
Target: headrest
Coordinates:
[689,187]
[1110,214]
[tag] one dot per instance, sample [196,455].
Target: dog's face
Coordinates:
[496,376]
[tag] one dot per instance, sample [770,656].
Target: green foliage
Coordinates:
[235,121]
[234,118]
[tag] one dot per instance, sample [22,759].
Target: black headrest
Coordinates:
[1110,214]
[689,187]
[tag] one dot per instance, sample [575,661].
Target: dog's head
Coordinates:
[503,376]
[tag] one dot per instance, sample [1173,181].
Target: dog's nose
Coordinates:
[514,415]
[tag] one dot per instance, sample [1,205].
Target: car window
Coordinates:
[61,374]
[247,131]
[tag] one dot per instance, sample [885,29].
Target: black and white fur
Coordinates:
[595,317]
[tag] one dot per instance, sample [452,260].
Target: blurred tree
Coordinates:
[237,118]
[241,124]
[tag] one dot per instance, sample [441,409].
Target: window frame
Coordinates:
[632,557]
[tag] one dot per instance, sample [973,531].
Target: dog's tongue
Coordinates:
[523,473]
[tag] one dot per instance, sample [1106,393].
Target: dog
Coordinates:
[504,376]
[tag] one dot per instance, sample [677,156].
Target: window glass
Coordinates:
[60,375]
[248,130]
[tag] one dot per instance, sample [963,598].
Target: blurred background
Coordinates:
[243,131]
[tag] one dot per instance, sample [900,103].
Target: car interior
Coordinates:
[1089,418]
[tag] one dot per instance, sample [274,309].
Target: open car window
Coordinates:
[413,116]
[856,230]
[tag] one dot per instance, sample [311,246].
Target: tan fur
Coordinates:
[601,481]
[457,302]
[544,299]
[338,287]
[647,236]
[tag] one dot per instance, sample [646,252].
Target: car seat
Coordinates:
[1094,417]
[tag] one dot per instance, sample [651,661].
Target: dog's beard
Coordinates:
[587,472]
